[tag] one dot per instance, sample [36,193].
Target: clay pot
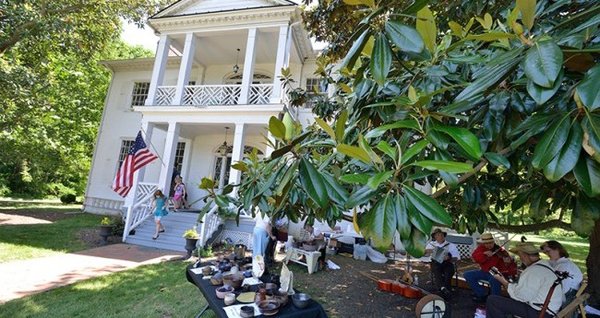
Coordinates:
[233,280]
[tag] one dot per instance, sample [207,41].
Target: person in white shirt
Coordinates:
[443,258]
[559,259]
[261,234]
[527,297]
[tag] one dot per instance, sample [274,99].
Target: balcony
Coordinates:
[212,95]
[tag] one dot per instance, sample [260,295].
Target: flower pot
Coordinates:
[190,246]
[105,232]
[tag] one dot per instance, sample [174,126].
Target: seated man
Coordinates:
[315,235]
[488,254]
[443,257]
[527,297]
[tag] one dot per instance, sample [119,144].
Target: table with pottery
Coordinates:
[236,291]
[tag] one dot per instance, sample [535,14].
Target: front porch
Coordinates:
[211,95]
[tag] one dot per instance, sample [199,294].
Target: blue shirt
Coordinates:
[159,209]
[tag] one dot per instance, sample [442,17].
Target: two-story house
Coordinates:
[201,104]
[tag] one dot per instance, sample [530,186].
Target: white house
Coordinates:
[215,79]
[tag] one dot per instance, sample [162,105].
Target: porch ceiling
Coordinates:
[220,47]
[190,131]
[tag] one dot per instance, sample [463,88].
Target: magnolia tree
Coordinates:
[497,111]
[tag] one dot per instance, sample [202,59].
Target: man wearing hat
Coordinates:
[527,297]
[443,256]
[488,254]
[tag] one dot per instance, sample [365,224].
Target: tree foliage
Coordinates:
[52,88]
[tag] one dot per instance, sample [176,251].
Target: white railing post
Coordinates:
[185,69]
[166,171]
[248,72]
[158,72]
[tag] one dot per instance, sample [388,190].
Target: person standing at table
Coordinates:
[261,234]
[560,261]
[160,210]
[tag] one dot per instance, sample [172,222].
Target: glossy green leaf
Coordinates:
[527,8]
[414,150]
[387,149]
[464,138]
[490,36]
[403,224]
[582,220]
[551,143]
[378,178]
[369,3]
[438,139]
[360,196]
[427,28]
[587,173]
[290,171]
[416,6]
[407,123]
[427,206]
[337,192]
[417,219]
[407,39]
[415,245]
[356,178]
[281,151]
[277,128]
[589,88]
[381,59]
[447,166]
[497,159]
[379,222]
[313,183]
[289,124]
[543,62]
[354,152]
[355,50]
[325,126]
[340,125]
[541,94]
[566,159]
[364,145]
[536,123]
[591,125]
[240,165]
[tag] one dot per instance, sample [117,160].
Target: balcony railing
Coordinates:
[207,95]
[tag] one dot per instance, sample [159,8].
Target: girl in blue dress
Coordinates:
[160,209]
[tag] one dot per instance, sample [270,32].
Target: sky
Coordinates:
[135,36]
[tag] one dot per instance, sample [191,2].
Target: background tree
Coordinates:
[496,112]
[52,88]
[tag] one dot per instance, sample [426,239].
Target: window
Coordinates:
[316,85]
[219,163]
[179,152]
[140,93]
[125,146]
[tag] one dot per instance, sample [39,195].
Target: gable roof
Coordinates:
[193,7]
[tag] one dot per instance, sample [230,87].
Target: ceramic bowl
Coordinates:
[229,299]
[268,307]
[216,279]
[279,296]
[300,300]
[271,288]
[222,291]
[247,311]
[233,280]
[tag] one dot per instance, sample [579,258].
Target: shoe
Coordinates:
[155,237]
[161,231]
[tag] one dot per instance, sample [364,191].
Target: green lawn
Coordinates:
[577,247]
[158,290]
[24,241]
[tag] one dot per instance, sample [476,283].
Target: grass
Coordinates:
[577,247]
[24,241]
[158,290]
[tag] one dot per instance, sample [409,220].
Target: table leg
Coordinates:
[311,262]
[202,311]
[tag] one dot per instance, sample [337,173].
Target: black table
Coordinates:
[314,309]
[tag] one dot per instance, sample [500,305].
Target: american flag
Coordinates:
[138,156]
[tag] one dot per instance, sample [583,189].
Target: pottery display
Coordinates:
[222,291]
[268,307]
[247,311]
[233,280]
[229,299]
[300,300]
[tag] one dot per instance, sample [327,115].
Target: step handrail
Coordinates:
[138,212]
[210,224]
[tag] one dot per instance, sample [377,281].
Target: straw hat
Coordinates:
[438,230]
[486,238]
[525,247]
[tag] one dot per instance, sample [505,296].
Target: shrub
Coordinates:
[68,198]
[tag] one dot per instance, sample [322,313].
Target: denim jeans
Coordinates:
[473,277]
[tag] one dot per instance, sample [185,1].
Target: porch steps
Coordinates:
[175,224]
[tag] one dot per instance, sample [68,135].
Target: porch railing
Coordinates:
[210,95]
[210,224]
[141,208]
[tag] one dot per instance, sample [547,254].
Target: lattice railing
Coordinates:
[165,95]
[203,95]
[260,93]
[141,208]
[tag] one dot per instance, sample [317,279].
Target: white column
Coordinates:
[238,152]
[185,68]
[166,171]
[279,63]
[269,149]
[248,74]
[160,64]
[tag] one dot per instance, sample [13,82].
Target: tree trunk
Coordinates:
[593,261]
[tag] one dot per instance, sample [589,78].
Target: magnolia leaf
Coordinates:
[354,152]
[337,193]
[355,50]
[589,88]
[551,143]
[527,8]
[447,166]
[427,28]
[406,38]
[427,206]
[403,226]
[465,139]
[582,220]
[325,126]
[369,3]
[381,59]
[415,244]
[414,150]
[497,159]
[313,183]
[566,159]
[379,178]
[543,63]
[417,219]
[456,28]
[407,123]
[587,173]
[379,222]
[360,196]
[340,125]
[240,165]
[541,94]
[277,128]
[387,149]
[289,124]
[357,178]
[490,36]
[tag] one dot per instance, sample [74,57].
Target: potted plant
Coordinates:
[106,229]
[191,239]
